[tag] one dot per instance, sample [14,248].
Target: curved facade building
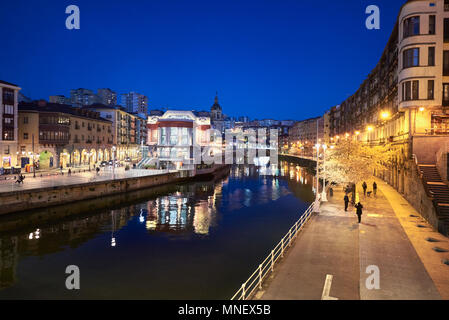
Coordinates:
[405,99]
[172,137]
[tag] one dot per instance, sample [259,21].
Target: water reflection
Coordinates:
[234,209]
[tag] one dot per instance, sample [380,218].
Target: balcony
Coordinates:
[437,131]
[53,141]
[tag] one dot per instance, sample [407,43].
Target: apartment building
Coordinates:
[8,125]
[135,103]
[126,130]
[303,135]
[51,135]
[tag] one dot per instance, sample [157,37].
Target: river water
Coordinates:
[198,240]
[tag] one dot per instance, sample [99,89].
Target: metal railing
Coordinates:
[255,281]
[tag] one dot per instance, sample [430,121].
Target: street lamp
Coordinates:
[385,115]
[88,158]
[323,193]
[113,159]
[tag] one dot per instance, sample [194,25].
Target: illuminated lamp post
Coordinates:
[323,193]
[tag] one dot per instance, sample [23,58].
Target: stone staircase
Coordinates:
[146,161]
[439,192]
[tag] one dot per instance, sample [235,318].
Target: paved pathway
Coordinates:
[75,178]
[333,243]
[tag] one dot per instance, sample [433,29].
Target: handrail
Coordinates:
[255,280]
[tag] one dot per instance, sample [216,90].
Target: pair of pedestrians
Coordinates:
[365,186]
[358,206]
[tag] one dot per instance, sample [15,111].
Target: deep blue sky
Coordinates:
[267,59]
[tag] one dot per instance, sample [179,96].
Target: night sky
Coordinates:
[266,59]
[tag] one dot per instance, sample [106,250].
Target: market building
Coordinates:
[172,137]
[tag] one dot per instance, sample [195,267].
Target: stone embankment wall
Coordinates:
[18,201]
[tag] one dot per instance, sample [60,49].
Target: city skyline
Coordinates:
[272,74]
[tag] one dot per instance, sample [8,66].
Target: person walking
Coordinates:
[364,186]
[359,211]
[60,168]
[374,188]
[346,199]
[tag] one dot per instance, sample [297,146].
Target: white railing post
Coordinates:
[298,227]
[282,248]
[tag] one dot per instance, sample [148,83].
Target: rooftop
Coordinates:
[44,106]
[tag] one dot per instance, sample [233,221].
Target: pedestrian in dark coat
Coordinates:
[359,211]
[364,186]
[374,188]
[346,198]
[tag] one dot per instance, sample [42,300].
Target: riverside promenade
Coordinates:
[80,176]
[45,191]
[392,236]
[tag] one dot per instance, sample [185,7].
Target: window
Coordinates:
[8,134]
[163,135]
[430,89]
[445,63]
[411,27]
[415,90]
[185,136]
[25,136]
[410,90]
[431,24]
[445,94]
[411,58]
[446,29]
[8,96]
[173,136]
[9,109]
[25,120]
[431,56]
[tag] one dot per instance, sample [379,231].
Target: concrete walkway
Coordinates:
[76,178]
[333,243]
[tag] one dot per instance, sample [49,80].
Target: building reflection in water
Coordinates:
[192,209]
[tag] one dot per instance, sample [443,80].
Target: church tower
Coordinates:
[215,111]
